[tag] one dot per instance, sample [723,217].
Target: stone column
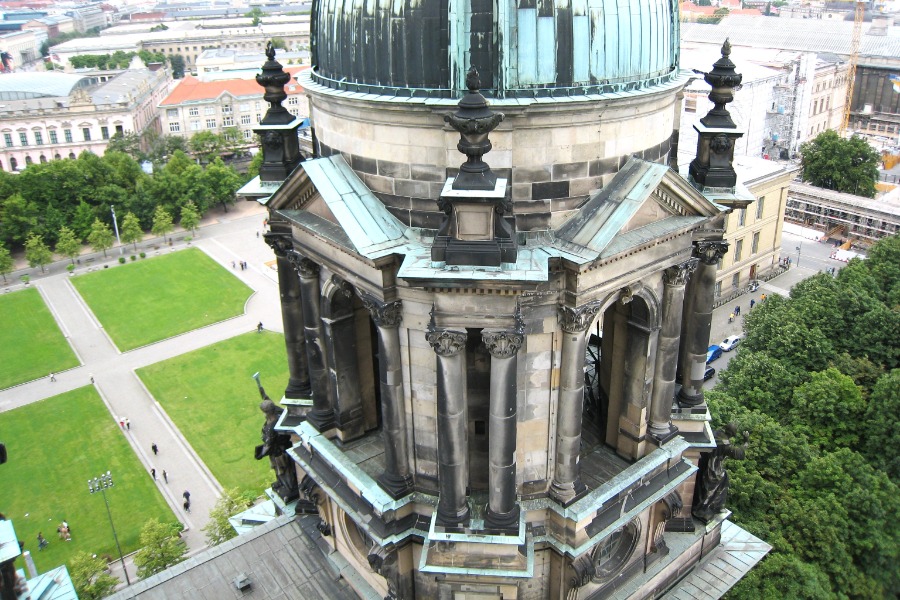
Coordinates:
[575,321]
[674,279]
[697,321]
[502,510]
[322,414]
[286,259]
[453,468]
[397,479]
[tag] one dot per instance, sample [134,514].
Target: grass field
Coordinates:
[31,344]
[210,391]
[55,446]
[154,299]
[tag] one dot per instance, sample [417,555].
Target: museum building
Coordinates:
[497,293]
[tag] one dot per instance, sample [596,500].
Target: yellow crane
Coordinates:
[854,58]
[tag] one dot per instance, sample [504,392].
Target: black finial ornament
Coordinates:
[476,231]
[278,129]
[717,133]
[274,78]
[474,121]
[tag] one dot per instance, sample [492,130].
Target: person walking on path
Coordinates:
[42,541]
[731,317]
[153,472]
[187,506]
[259,327]
[752,303]
[52,377]
[127,424]
[186,495]
[92,378]
[155,448]
[737,311]
[165,476]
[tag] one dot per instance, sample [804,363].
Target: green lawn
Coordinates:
[154,299]
[210,395]
[55,446]
[31,344]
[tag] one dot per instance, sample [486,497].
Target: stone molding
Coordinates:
[385,314]
[280,243]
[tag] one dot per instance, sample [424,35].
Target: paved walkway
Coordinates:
[226,238]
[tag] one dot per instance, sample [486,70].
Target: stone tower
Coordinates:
[489,279]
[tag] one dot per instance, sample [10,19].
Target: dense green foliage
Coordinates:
[135,303]
[161,547]
[849,166]
[89,576]
[51,201]
[31,344]
[55,446]
[230,503]
[817,384]
[117,60]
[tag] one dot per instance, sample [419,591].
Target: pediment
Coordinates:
[643,196]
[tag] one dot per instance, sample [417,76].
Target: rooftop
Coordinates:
[191,89]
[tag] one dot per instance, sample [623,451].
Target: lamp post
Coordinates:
[116,227]
[99,484]
[798,253]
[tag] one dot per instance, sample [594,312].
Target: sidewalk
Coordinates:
[226,238]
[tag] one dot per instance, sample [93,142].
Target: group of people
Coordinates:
[243,265]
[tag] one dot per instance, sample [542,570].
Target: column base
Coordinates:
[396,486]
[662,435]
[506,521]
[322,420]
[449,518]
[566,493]
[298,390]
[685,399]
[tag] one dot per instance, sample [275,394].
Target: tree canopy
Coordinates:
[218,529]
[816,383]
[849,166]
[89,576]
[161,547]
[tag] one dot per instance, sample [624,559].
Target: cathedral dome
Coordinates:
[522,48]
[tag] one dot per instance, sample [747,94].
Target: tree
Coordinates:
[90,578]
[255,163]
[6,262]
[278,42]
[255,15]
[222,182]
[190,218]
[126,143]
[206,145]
[82,219]
[162,222]
[177,62]
[132,232]
[67,244]
[882,444]
[218,529]
[161,547]
[37,253]
[849,166]
[828,408]
[100,237]
[18,218]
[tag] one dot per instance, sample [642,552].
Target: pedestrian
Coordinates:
[92,378]
[187,506]
[186,495]
[737,311]
[122,422]
[752,302]
[52,377]
[257,234]
[762,298]
[153,472]
[233,265]
[259,327]
[731,317]
[165,476]
[127,424]
[155,448]
[42,541]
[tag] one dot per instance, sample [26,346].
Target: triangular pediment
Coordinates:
[643,197]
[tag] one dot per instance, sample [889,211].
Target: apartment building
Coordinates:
[195,106]
[49,116]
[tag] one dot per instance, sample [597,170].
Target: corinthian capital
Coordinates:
[502,344]
[678,274]
[280,243]
[307,268]
[575,320]
[446,342]
[710,251]
[385,314]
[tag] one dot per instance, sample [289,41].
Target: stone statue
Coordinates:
[274,445]
[712,486]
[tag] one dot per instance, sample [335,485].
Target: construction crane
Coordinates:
[854,59]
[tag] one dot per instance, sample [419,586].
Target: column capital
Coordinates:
[280,243]
[710,251]
[446,342]
[575,320]
[502,344]
[385,314]
[344,286]
[305,267]
[678,274]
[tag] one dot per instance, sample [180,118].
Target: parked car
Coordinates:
[709,373]
[712,353]
[729,343]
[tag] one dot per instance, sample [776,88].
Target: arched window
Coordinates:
[43,159]
[13,163]
[28,160]
[56,156]
[72,155]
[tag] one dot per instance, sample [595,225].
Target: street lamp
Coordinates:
[798,253]
[99,484]
[116,227]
